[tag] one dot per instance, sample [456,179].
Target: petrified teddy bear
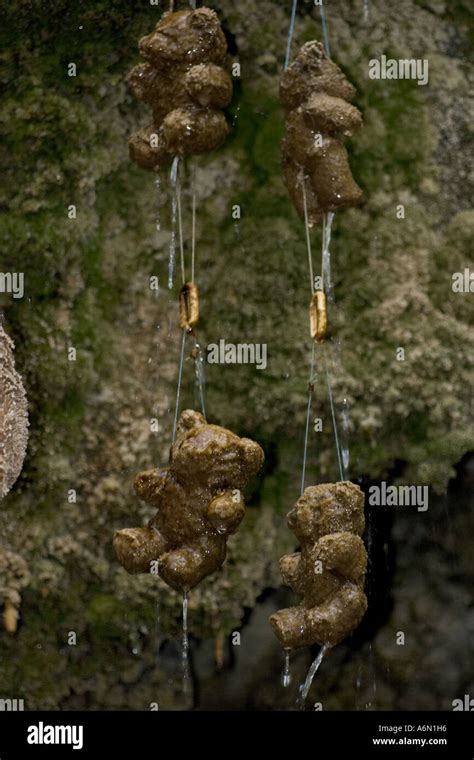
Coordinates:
[315,94]
[186,88]
[329,572]
[199,504]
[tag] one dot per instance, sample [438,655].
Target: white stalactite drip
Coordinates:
[13,417]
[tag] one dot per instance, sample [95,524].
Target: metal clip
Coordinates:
[318,316]
[188,306]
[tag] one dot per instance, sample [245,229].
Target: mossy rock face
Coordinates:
[87,285]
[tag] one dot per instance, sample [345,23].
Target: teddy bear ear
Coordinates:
[253,455]
[189,419]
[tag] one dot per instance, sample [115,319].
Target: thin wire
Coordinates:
[325,29]
[290,34]
[193,239]
[180,230]
[178,389]
[333,415]
[308,414]
[308,237]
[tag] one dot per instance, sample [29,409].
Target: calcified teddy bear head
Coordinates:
[199,504]
[329,571]
[316,96]
[186,88]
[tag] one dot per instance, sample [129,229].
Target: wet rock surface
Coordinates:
[64,140]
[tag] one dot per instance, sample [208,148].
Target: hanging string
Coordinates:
[308,416]
[178,389]
[290,34]
[180,230]
[308,237]
[312,361]
[183,277]
[198,353]
[193,234]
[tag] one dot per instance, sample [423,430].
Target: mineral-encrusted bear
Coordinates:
[316,94]
[329,572]
[185,86]
[199,502]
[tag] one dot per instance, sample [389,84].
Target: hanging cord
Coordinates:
[193,234]
[312,361]
[198,353]
[183,277]
[189,298]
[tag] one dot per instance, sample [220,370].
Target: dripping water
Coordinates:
[334,347]
[366,10]
[344,438]
[286,675]
[305,687]
[185,647]
[333,413]
[158,192]
[178,388]
[326,257]
[324,25]
[174,213]
[199,375]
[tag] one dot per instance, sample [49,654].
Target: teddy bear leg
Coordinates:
[334,620]
[289,566]
[184,568]
[226,512]
[149,485]
[291,627]
[137,548]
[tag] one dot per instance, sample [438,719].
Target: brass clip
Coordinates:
[189,306]
[318,316]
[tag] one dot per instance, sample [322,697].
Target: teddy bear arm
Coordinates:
[209,85]
[226,511]
[344,554]
[137,548]
[149,485]
[331,114]
[289,569]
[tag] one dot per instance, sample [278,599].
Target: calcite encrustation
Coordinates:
[184,83]
[316,96]
[328,571]
[198,500]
